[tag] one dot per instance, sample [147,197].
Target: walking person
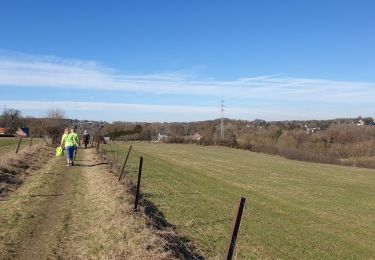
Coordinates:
[77,141]
[67,141]
[86,138]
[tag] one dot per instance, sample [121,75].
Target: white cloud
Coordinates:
[52,72]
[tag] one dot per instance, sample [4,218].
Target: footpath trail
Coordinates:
[78,212]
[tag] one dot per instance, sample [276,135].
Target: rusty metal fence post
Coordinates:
[126,160]
[235,229]
[138,183]
[19,143]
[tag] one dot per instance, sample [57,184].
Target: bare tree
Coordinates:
[53,123]
[11,119]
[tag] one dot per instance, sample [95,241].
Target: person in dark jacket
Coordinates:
[86,138]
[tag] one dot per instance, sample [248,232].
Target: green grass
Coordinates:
[9,144]
[294,209]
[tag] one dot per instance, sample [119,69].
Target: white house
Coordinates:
[196,137]
[162,137]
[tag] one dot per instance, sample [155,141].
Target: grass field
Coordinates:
[294,209]
[9,144]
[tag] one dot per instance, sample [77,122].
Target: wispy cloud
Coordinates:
[103,106]
[122,111]
[52,72]
[125,111]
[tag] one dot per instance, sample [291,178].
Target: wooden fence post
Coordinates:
[97,145]
[138,183]
[31,142]
[19,143]
[235,228]
[44,140]
[116,160]
[126,160]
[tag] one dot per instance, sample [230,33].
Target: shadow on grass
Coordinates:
[41,195]
[179,245]
[89,165]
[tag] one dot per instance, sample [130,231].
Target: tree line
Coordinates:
[338,141]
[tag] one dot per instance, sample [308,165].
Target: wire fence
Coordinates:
[125,159]
[14,145]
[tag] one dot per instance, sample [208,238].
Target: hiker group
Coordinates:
[70,141]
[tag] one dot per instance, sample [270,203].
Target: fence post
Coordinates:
[97,145]
[31,142]
[116,160]
[126,160]
[19,143]
[138,183]
[235,228]
[44,140]
[114,156]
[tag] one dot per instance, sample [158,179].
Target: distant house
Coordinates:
[3,130]
[360,122]
[22,132]
[161,137]
[26,130]
[310,130]
[196,137]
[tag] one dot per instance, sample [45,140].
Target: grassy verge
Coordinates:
[20,215]
[294,209]
[98,221]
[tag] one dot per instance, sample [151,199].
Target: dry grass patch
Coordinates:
[14,168]
[99,222]
[79,212]
[21,214]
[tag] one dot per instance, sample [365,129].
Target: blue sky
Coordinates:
[175,60]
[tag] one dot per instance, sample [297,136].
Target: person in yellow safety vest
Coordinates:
[77,141]
[68,141]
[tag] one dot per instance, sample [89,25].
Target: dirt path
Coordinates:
[78,212]
[40,244]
